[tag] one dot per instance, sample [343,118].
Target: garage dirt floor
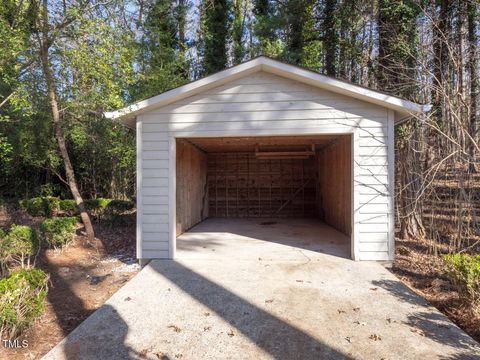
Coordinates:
[259,289]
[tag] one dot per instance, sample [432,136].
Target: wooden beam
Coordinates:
[284,153]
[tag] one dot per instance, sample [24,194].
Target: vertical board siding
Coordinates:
[334,178]
[265,104]
[191,186]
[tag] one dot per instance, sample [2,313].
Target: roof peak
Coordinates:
[264,63]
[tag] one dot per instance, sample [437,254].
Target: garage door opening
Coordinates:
[273,186]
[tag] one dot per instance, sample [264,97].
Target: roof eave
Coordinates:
[402,106]
[186,90]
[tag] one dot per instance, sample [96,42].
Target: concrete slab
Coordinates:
[241,290]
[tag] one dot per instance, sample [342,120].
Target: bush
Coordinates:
[41,206]
[96,204]
[22,297]
[59,231]
[96,207]
[69,206]
[18,245]
[48,206]
[117,207]
[464,271]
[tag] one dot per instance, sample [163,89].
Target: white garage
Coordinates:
[267,140]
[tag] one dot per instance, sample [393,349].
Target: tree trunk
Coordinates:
[411,224]
[472,65]
[330,35]
[441,62]
[59,135]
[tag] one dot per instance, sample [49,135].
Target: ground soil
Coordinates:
[425,273]
[82,278]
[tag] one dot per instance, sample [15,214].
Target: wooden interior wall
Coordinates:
[334,196]
[240,185]
[192,198]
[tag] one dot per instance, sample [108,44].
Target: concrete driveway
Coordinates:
[247,290]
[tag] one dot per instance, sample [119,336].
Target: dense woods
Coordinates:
[64,62]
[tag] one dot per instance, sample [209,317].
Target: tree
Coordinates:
[214,35]
[263,26]
[397,44]
[162,48]
[45,37]
[330,37]
[396,71]
[239,24]
[441,25]
[473,19]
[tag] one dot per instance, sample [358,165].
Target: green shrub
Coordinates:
[47,189]
[99,208]
[120,206]
[41,206]
[59,231]
[96,204]
[18,245]
[69,206]
[464,271]
[22,297]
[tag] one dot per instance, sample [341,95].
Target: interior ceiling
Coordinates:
[264,143]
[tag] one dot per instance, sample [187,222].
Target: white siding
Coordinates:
[266,104]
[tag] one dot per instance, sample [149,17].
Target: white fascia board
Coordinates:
[341,87]
[404,108]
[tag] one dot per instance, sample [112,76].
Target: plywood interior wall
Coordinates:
[235,183]
[192,198]
[334,192]
[240,185]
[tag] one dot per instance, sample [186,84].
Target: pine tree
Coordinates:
[473,20]
[239,25]
[397,44]
[441,29]
[163,47]
[263,26]
[214,35]
[330,37]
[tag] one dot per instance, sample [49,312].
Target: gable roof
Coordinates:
[404,108]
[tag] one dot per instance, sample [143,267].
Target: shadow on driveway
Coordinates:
[103,335]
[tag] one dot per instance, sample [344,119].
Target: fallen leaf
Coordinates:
[144,352]
[418,331]
[175,328]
